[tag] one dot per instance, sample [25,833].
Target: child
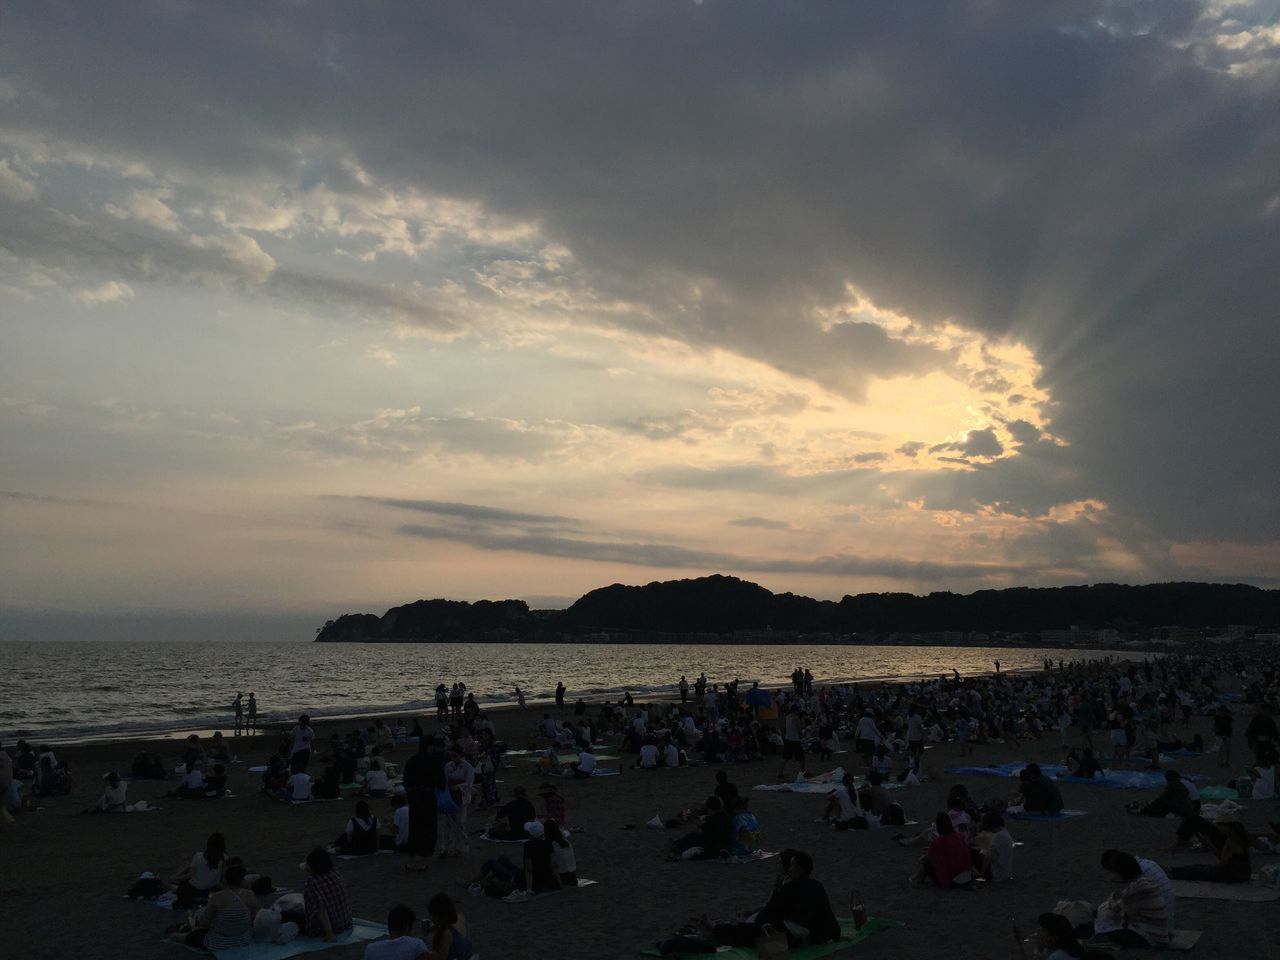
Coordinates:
[399,945]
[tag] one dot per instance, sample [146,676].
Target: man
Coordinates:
[585,765]
[303,737]
[1261,734]
[560,691]
[684,689]
[800,907]
[237,707]
[252,725]
[1223,724]
[792,741]
[1137,915]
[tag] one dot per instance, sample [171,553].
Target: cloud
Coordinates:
[112,291]
[668,556]
[24,496]
[15,185]
[761,522]
[467,511]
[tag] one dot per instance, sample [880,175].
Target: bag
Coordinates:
[771,943]
[444,801]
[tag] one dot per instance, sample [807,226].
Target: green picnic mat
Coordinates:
[873,926]
[1219,793]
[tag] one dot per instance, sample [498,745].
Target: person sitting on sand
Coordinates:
[226,922]
[725,790]
[1228,836]
[218,748]
[713,837]
[799,907]
[269,923]
[563,859]
[518,811]
[874,797]
[993,855]
[539,872]
[843,809]
[1039,793]
[215,785]
[361,836]
[376,782]
[446,931]
[1086,766]
[192,786]
[745,829]
[947,862]
[1136,916]
[585,765]
[52,780]
[400,943]
[1055,940]
[203,875]
[113,797]
[297,788]
[553,801]
[327,911]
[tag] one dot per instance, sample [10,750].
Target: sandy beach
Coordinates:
[64,875]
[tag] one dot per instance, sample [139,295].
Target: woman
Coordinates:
[1055,940]
[563,860]
[448,938]
[947,861]
[227,920]
[204,874]
[326,910]
[376,782]
[361,836]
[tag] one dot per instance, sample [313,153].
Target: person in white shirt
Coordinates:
[865,736]
[548,726]
[792,741]
[192,783]
[376,781]
[842,804]
[995,845]
[400,819]
[298,788]
[648,756]
[585,765]
[670,755]
[113,795]
[303,737]
[400,944]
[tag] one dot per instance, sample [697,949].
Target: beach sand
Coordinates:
[63,875]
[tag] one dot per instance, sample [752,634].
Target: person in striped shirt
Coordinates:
[1138,915]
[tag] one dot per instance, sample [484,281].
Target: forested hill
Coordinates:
[723,605]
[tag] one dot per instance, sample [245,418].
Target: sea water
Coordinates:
[60,691]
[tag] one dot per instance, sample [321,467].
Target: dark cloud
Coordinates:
[911,448]
[874,457]
[666,556]
[1086,177]
[1022,431]
[465,511]
[762,522]
[23,496]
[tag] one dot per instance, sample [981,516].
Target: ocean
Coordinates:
[86,690]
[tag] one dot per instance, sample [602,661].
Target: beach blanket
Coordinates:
[1219,793]
[750,857]
[165,900]
[598,772]
[258,769]
[360,930]
[360,856]
[566,757]
[1015,814]
[852,936]
[513,898]
[821,784]
[1114,779]
[1205,890]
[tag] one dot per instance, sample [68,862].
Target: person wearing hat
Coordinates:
[1228,836]
[1055,940]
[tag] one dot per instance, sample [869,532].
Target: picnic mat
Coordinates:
[360,930]
[1206,890]
[1060,815]
[869,929]
[598,772]
[1115,779]
[823,783]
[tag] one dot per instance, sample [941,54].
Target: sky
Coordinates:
[317,307]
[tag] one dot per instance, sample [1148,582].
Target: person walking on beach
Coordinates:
[252,725]
[684,689]
[519,697]
[560,692]
[237,707]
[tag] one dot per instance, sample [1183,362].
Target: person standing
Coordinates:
[684,689]
[560,692]
[793,741]
[303,737]
[423,776]
[237,707]
[1223,725]
[252,725]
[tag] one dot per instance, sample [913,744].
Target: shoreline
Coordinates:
[326,724]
